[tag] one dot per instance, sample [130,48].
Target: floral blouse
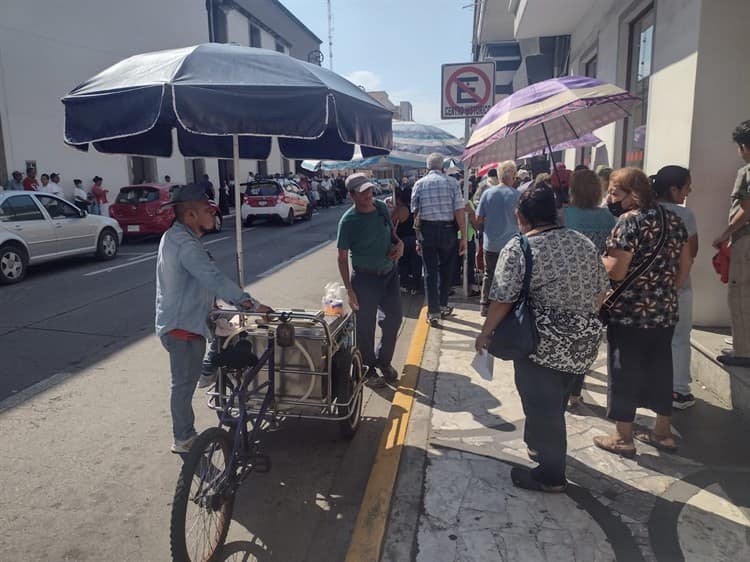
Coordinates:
[567,278]
[651,299]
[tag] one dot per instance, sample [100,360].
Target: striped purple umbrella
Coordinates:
[543,115]
[589,139]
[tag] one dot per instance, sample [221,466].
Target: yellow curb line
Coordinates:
[369,529]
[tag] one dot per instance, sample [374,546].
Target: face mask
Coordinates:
[616,208]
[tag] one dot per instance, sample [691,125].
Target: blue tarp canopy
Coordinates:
[212,91]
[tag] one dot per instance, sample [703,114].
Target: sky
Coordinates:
[395,45]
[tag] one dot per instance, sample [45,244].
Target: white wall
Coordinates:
[722,100]
[47,47]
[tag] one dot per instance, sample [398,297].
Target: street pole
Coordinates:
[467,285]
[237,210]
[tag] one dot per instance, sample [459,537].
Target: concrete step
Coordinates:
[730,385]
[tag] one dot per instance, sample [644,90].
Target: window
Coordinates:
[280,47]
[639,72]
[135,195]
[58,209]
[266,189]
[262,168]
[254,36]
[20,208]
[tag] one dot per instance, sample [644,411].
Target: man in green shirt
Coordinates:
[367,234]
[738,234]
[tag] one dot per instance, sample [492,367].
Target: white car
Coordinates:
[269,199]
[38,227]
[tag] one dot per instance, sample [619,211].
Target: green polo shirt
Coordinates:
[367,236]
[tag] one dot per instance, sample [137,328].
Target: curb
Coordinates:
[369,528]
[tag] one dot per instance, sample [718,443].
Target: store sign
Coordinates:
[468,89]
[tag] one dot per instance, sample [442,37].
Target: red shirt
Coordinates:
[30,184]
[179,334]
[100,193]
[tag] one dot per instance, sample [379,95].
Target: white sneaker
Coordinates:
[206,380]
[183,447]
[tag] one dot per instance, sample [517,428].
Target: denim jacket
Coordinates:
[187,283]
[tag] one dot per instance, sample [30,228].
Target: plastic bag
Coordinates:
[334,299]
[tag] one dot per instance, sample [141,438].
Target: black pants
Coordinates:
[544,395]
[375,292]
[439,243]
[639,365]
[410,264]
[490,263]
[578,385]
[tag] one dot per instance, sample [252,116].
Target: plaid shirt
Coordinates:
[436,197]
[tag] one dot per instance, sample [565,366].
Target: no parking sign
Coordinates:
[468,89]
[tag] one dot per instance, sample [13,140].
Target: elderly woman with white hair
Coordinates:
[496,214]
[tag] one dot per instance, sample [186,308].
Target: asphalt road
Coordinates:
[88,458]
[68,314]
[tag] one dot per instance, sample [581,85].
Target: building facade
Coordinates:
[686,59]
[49,47]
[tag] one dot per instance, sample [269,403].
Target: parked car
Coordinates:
[269,199]
[138,209]
[38,227]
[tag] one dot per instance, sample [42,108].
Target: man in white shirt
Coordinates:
[49,187]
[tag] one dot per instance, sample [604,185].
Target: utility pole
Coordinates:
[330,36]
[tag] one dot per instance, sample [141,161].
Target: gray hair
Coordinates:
[507,170]
[435,161]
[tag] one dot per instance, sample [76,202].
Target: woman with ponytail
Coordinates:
[672,186]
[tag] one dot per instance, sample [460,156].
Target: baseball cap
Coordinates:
[186,194]
[358,182]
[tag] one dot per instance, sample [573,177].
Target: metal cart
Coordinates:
[319,377]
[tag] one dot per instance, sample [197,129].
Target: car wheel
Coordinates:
[13,263]
[289,221]
[218,223]
[249,220]
[308,213]
[106,248]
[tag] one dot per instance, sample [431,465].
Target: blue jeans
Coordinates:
[375,292]
[439,242]
[185,360]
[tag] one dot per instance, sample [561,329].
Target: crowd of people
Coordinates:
[92,198]
[611,251]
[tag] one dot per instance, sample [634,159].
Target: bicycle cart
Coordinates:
[294,364]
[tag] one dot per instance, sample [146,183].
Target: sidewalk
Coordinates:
[454,500]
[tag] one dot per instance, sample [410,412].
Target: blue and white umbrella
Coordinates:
[225,101]
[412,143]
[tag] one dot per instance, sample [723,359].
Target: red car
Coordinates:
[138,209]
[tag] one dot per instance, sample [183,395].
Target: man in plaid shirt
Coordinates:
[436,199]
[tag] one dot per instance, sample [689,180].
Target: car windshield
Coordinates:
[136,195]
[265,189]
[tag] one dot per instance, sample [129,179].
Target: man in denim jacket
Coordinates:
[187,283]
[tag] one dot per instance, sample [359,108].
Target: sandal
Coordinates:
[522,478]
[650,438]
[614,445]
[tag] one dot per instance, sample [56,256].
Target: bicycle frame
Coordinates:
[243,440]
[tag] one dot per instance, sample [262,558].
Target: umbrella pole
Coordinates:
[237,210]
[464,236]
[552,156]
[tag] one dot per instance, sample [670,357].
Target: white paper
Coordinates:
[483,364]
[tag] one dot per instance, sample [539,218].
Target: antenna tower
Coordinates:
[330,36]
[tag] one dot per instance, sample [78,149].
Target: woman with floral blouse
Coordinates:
[568,283]
[643,318]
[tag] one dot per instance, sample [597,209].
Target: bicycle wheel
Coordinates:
[203,499]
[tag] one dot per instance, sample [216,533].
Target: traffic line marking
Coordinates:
[31,391]
[369,529]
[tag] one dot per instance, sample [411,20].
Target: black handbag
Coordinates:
[606,309]
[517,337]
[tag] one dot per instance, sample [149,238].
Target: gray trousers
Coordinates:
[185,362]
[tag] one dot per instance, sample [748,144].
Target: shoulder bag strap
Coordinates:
[610,301]
[526,248]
